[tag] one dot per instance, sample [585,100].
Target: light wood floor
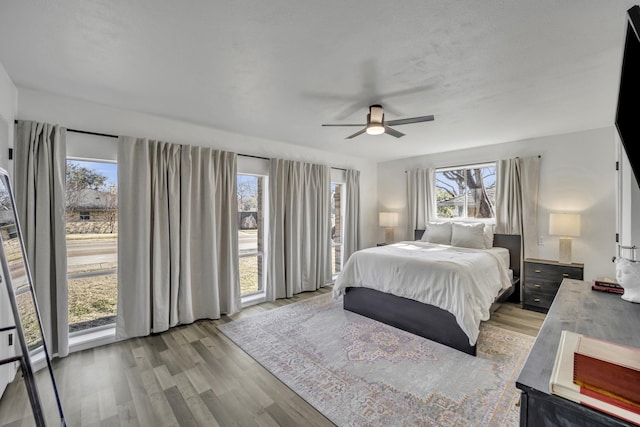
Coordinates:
[191,375]
[511,316]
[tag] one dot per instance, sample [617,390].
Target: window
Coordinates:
[92,243]
[466,192]
[336,227]
[251,197]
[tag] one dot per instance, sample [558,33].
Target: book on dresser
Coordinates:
[606,281]
[600,398]
[605,284]
[608,368]
[609,289]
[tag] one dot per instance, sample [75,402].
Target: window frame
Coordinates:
[93,148]
[340,244]
[465,217]
[82,335]
[260,295]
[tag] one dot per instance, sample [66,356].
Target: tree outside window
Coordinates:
[466,192]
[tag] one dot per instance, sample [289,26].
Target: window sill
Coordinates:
[254,299]
[91,338]
[78,341]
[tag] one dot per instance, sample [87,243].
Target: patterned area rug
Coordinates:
[357,371]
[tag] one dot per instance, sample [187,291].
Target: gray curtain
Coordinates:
[209,281]
[421,199]
[178,262]
[351,214]
[39,177]
[299,228]
[517,200]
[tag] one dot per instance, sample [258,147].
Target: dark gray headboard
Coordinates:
[508,241]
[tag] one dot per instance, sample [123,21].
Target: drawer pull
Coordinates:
[537,271]
[536,300]
[537,285]
[565,274]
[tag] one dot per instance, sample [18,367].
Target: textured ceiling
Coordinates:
[490,71]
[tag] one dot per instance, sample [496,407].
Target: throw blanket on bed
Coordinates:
[462,281]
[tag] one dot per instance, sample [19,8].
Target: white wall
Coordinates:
[635,209]
[78,114]
[629,202]
[8,106]
[577,174]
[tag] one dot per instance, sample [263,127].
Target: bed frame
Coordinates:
[427,320]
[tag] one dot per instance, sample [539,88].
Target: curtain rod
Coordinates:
[107,135]
[86,132]
[467,165]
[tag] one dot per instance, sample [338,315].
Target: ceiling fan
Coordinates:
[376,124]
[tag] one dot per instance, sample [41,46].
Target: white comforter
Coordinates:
[462,281]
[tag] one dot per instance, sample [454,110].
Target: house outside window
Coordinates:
[85,216]
[466,191]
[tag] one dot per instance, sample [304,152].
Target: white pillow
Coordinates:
[438,232]
[468,235]
[488,236]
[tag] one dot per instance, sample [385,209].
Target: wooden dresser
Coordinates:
[542,279]
[579,309]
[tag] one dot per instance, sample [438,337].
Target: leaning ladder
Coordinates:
[30,307]
[24,357]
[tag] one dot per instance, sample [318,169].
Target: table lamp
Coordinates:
[564,225]
[388,220]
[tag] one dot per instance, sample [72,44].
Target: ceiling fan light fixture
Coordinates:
[376,125]
[375,129]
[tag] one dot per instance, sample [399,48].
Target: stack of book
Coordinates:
[600,374]
[607,285]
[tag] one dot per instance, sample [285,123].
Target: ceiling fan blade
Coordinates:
[393,132]
[409,120]
[360,132]
[346,124]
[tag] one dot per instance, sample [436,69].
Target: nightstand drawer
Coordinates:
[556,273]
[542,286]
[540,300]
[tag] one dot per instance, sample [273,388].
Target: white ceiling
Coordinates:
[490,71]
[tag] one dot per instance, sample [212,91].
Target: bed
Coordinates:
[427,320]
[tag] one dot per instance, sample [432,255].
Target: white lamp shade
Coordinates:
[563,224]
[388,219]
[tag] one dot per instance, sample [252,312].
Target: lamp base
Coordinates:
[565,250]
[388,235]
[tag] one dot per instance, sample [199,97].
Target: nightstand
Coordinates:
[542,280]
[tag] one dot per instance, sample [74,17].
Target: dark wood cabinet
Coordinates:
[542,279]
[578,309]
